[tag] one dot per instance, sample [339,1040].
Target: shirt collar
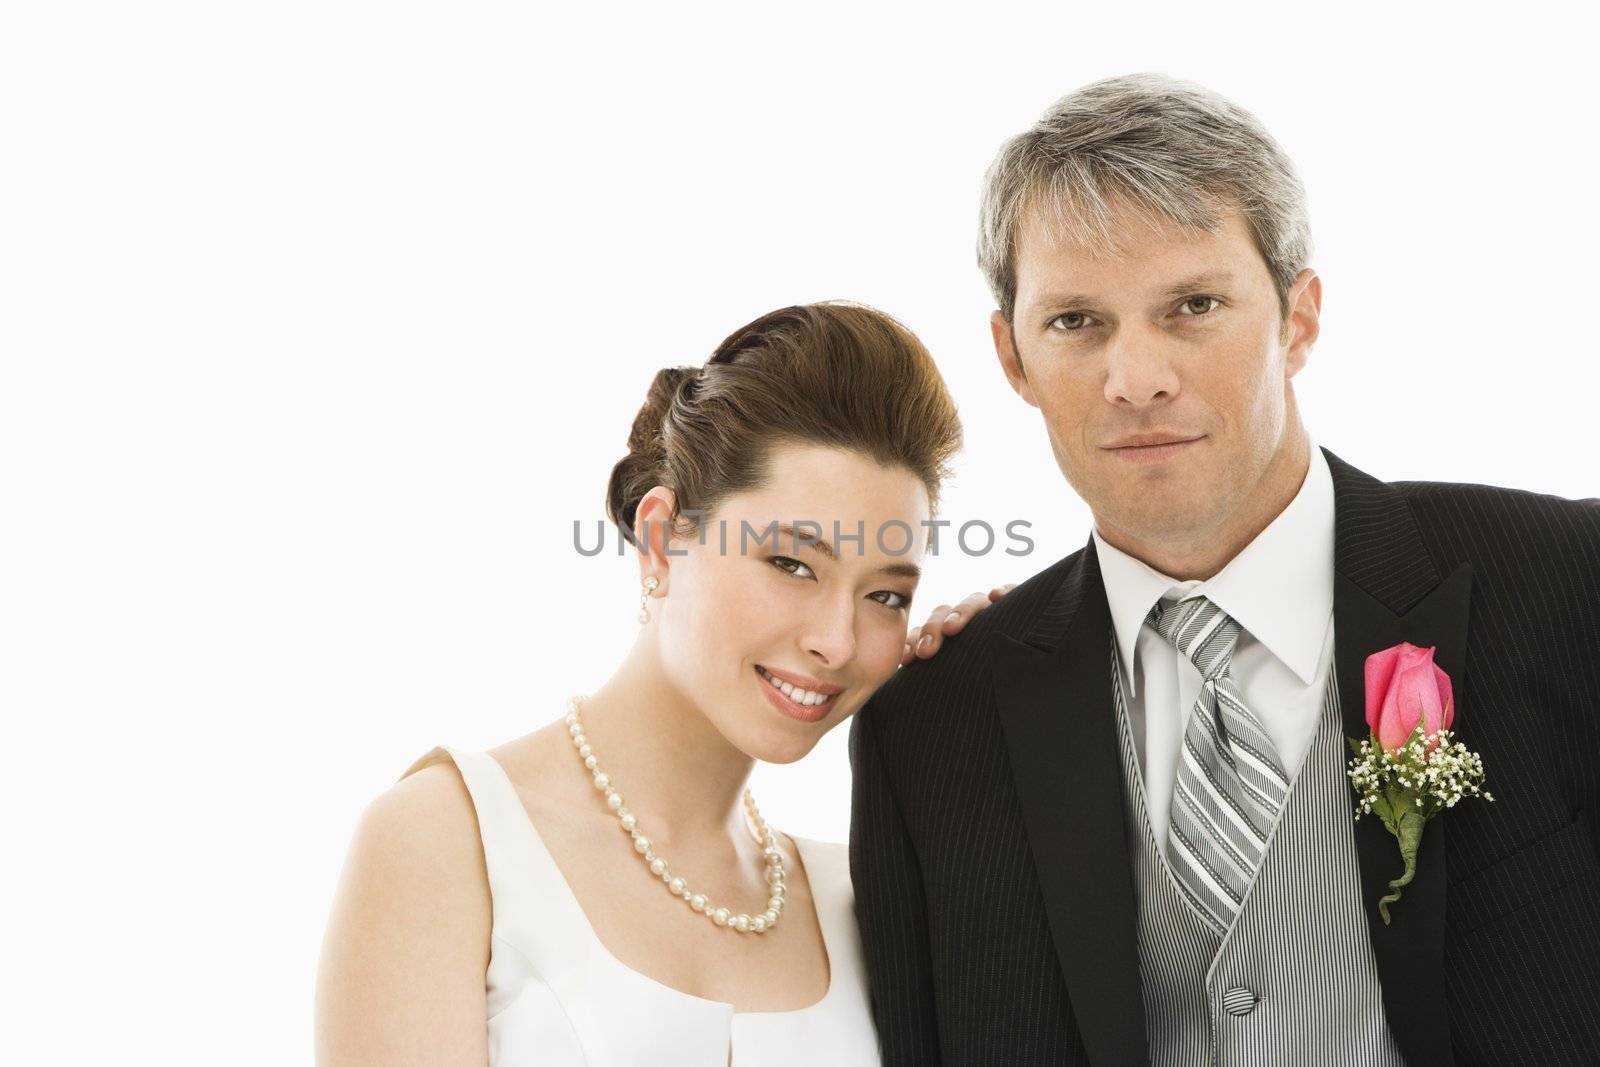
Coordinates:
[1279,588]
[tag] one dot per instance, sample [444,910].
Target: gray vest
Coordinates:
[1293,981]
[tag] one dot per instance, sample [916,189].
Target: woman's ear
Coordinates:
[652,531]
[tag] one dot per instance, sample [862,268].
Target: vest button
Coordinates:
[1239,1001]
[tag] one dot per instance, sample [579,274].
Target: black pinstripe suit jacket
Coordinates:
[992,877]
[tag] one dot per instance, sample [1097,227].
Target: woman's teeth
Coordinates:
[803,697]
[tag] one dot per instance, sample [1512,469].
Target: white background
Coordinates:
[323,321]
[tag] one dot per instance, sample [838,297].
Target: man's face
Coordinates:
[1177,334]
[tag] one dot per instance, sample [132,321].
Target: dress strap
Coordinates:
[833,897]
[527,889]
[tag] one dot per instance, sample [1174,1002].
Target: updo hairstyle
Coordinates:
[836,374]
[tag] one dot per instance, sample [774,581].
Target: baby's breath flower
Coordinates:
[1434,771]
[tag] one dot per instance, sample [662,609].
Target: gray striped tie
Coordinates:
[1230,781]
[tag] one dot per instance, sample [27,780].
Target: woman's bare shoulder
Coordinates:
[432,799]
[410,925]
[429,808]
[416,851]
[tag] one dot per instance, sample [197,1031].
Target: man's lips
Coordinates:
[1145,440]
[1153,453]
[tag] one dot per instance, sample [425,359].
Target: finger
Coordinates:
[928,643]
[1001,590]
[956,619]
[936,617]
[908,653]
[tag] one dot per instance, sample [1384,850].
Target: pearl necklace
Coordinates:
[720,917]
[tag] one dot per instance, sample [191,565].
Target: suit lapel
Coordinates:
[1387,590]
[1053,687]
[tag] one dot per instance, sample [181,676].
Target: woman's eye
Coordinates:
[792,566]
[1070,320]
[897,600]
[1200,305]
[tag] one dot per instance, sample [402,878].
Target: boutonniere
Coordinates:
[1411,768]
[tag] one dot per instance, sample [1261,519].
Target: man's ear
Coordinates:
[1010,360]
[1303,325]
[652,532]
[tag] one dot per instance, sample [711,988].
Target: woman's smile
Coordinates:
[797,696]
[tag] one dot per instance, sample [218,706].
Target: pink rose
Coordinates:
[1403,686]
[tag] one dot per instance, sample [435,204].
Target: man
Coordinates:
[1037,814]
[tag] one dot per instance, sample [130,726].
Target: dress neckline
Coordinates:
[802,847]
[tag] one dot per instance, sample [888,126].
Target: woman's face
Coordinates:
[778,629]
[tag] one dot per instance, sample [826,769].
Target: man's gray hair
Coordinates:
[1154,145]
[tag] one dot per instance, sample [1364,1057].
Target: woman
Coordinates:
[604,890]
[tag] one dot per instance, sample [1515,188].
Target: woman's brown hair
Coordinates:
[834,373]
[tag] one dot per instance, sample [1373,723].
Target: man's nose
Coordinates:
[1139,368]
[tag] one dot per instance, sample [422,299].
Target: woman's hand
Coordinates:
[943,621]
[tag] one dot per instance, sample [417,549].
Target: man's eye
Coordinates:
[1071,320]
[899,600]
[1200,305]
[792,566]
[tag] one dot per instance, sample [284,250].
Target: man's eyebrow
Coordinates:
[1214,279]
[1183,287]
[901,570]
[1064,299]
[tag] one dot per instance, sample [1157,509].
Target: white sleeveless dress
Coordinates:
[557,996]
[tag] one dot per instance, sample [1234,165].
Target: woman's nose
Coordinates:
[831,637]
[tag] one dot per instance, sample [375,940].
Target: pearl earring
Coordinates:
[650,584]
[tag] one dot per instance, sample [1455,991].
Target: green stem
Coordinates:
[1410,838]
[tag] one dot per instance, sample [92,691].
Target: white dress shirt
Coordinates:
[1279,589]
